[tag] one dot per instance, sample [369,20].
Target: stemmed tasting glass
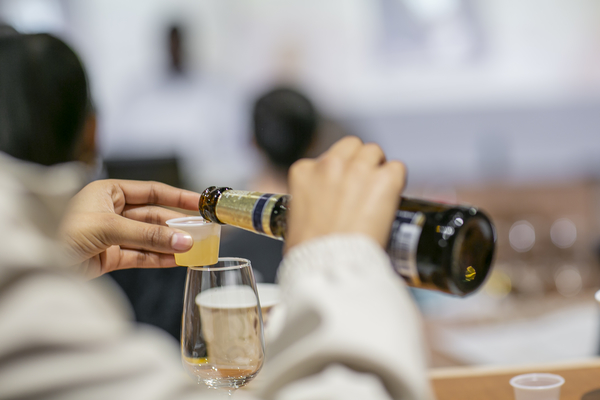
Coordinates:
[222,341]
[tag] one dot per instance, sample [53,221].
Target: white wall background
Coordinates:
[510,85]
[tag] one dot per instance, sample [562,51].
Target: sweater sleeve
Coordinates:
[351,332]
[349,323]
[61,338]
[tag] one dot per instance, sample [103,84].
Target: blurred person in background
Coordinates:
[176,110]
[285,125]
[46,115]
[7,30]
[46,118]
[74,337]
[176,49]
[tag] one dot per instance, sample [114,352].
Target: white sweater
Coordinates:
[350,330]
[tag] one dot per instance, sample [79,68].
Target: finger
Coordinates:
[141,192]
[151,214]
[344,149]
[395,173]
[143,259]
[300,169]
[370,154]
[129,233]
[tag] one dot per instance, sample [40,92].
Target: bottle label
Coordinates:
[247,210]
[404,240]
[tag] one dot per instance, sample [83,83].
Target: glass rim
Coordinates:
[244,262]
[184,222]
[559,381]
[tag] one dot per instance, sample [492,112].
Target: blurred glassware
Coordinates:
[568,281]
[563,233]
[499,284]
[521,236]
[526,280]
[537,386]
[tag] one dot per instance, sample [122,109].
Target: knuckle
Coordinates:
[153,192]
[374,147]
[154,236]
[390,173]
[300,164]
[394,174]
[398,168]
[330,170]
[152,216]
[141,259]
[354,140]
[299,168]
[332,163]
[360,168]
[371,153]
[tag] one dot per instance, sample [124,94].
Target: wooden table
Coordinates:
[479,383]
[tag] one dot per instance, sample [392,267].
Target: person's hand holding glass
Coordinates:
[222,333]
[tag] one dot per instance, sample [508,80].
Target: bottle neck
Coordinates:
[263,213]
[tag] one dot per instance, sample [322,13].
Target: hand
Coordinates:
[117,224]
[349,189]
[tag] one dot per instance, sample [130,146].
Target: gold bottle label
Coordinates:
[247,210]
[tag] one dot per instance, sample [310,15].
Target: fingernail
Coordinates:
[181,241]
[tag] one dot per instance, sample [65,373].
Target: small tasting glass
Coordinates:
[537,386]
[206,235]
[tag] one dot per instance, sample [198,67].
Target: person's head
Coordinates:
[285,123]
[44,101]
[176,50]
[7,30]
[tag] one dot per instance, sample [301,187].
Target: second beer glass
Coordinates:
[222,332]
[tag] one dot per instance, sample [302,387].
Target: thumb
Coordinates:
[158,238]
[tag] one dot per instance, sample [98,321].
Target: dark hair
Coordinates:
[176,48]
[43,98]
[7,30]
[285,122]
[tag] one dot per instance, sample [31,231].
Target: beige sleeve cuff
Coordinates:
[341,255]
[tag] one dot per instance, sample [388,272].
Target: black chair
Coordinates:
[164,169]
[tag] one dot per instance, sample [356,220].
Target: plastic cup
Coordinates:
[537,386]
[206,235]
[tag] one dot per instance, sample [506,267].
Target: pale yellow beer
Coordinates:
[204,252]
[206,236]
[231,328]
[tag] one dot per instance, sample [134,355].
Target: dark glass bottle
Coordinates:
[433,246]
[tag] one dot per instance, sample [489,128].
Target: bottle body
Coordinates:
[433,246]
[442,247]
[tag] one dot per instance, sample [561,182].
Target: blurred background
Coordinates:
[490,102]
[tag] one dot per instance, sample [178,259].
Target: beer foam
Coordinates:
[269,294]
[197,227]
[227,297]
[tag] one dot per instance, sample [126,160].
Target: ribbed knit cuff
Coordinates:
[338,254]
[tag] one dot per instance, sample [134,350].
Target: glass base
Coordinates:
[226,383]
[220,376]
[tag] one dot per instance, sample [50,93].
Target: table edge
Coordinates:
[483,370]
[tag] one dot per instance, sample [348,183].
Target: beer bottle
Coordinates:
[448,248]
